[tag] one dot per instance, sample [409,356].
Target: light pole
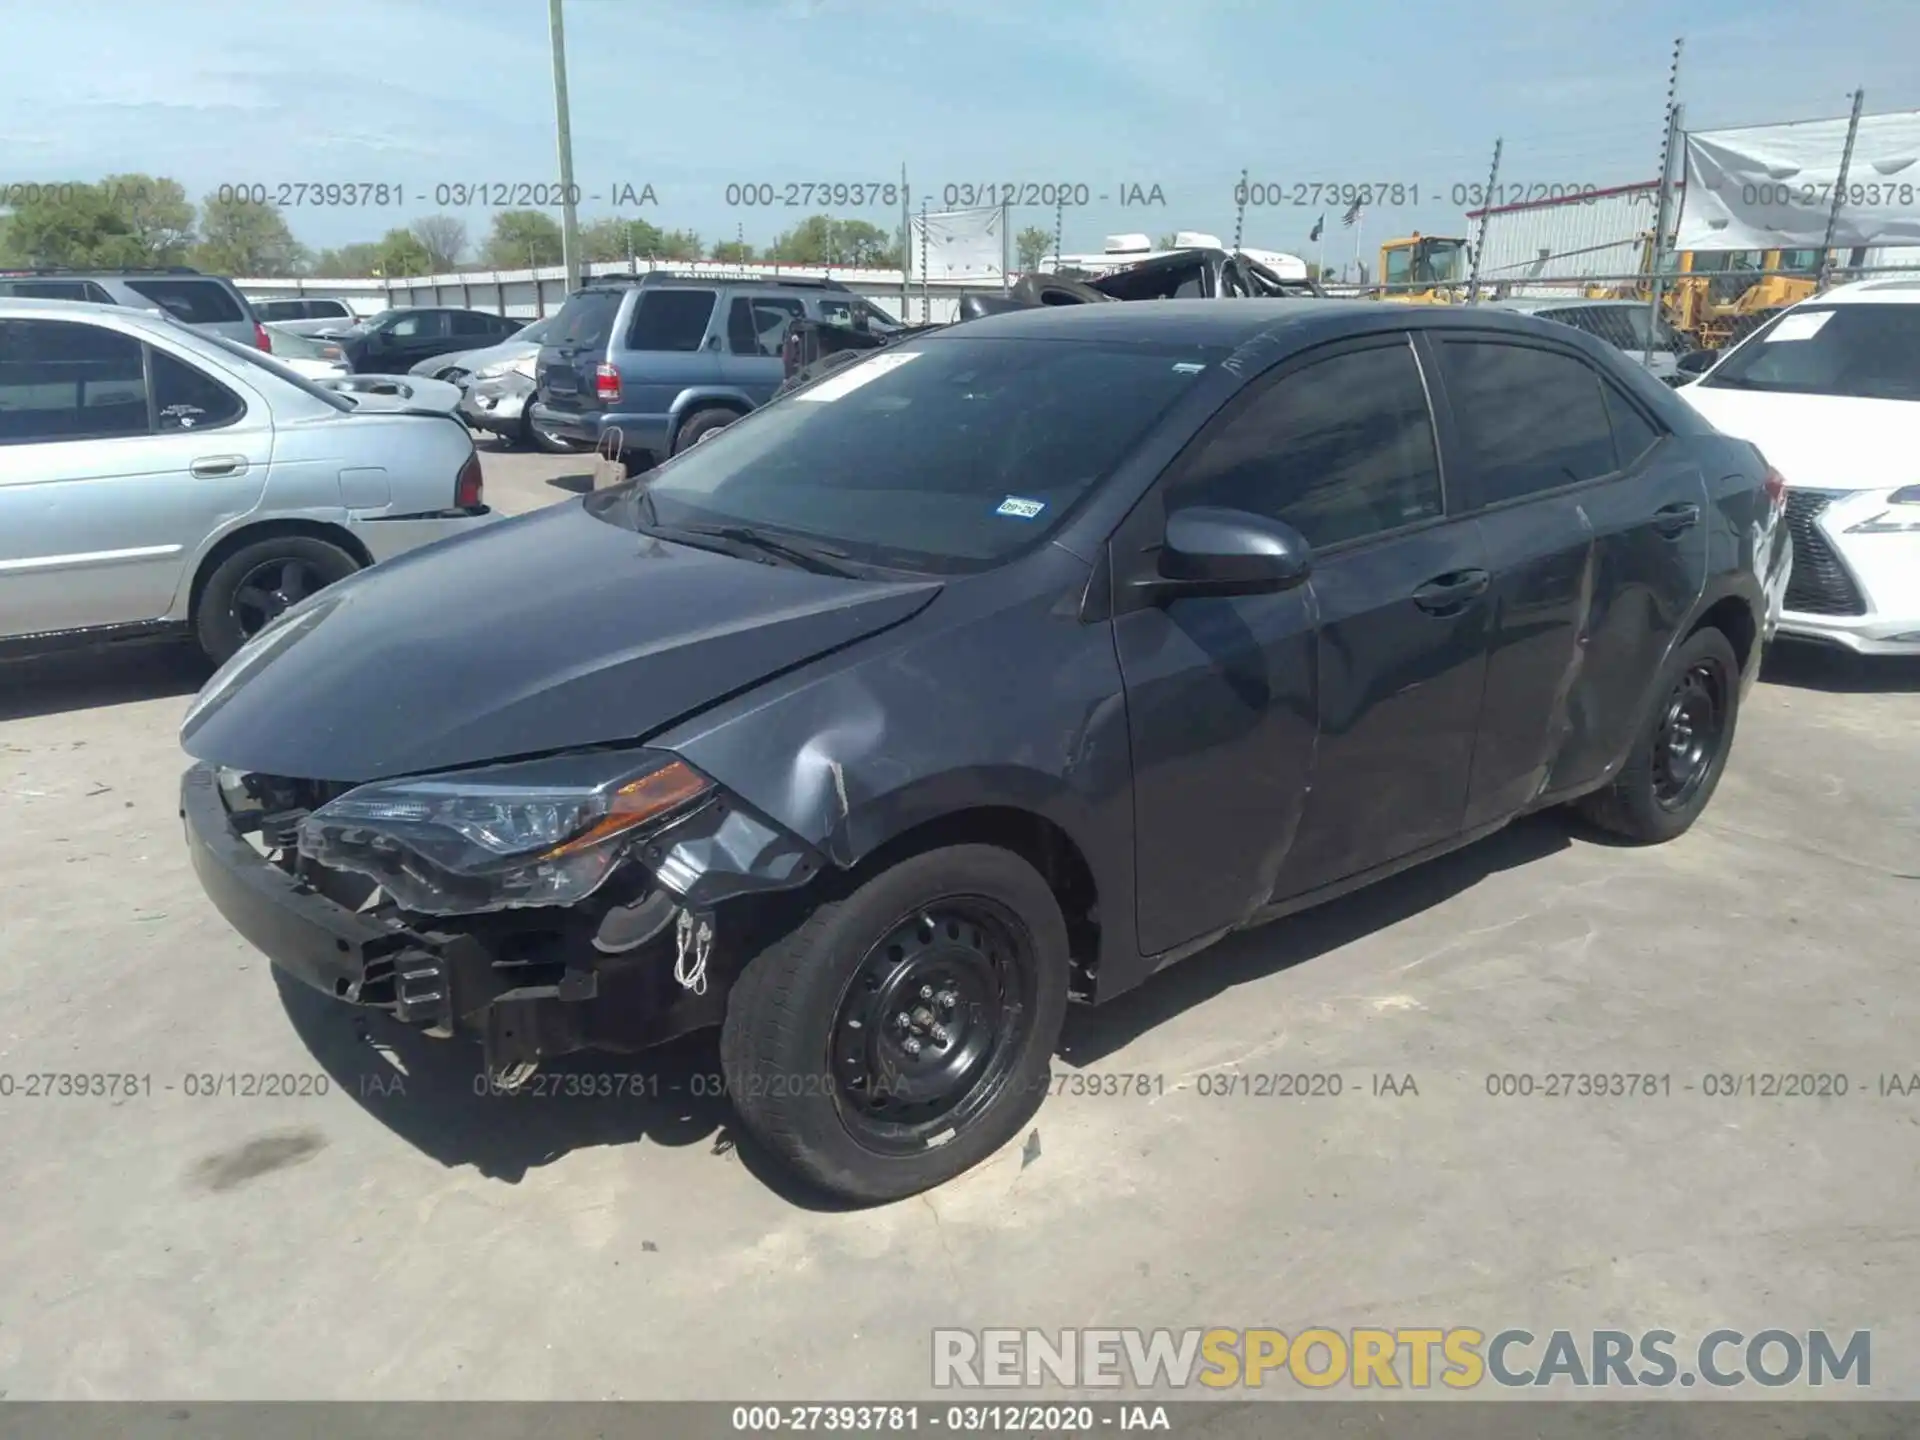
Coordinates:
[569,218]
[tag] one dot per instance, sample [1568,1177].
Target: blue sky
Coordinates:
[688,97]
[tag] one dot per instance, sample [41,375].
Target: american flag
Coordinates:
[1352,217]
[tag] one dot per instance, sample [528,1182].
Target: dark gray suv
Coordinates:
[668,360]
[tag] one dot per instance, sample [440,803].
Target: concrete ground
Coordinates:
[398,1236]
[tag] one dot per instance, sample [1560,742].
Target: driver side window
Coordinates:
[1341,450]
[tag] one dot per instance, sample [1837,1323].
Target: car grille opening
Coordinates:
[1820,584]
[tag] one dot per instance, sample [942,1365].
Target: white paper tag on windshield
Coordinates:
[861,372]
[1799,327]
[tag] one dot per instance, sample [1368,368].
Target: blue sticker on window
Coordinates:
[1020,507]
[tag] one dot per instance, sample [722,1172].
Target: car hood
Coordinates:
[548,632]
[1821,442]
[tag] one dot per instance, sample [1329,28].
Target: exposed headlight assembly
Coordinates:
[1903,514]
[541,832]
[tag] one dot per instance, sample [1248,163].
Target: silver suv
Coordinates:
[154,480]
[205,302]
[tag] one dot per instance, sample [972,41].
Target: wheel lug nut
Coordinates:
[946,1000]
[911,1045]
[939,1033]
[926,992]
[903,1020]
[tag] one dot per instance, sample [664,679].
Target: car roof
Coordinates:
[1886,291]
[1226,323]
[146,323]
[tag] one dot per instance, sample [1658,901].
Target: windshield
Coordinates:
[945,456]
[284,372]
[1867,352]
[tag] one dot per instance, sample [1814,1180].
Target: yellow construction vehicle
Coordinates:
[1710,296]
[1424,270]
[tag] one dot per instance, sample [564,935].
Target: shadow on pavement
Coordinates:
[434,1095]
[1839,672]
[572,484]
[1094,1034]
[100,675]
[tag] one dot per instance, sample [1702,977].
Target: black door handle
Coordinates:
[1672,519]
[1446,593]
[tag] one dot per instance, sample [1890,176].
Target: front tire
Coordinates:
[253,585]
[1677,761]
[898,1036]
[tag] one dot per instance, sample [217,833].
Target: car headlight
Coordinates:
[1903,514]
[493,371]
[540,832]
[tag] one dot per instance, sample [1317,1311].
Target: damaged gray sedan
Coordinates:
[1004,666]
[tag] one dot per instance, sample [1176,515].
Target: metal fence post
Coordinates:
[1480,240]
[1672,146]
[1663,223]
[906,243]
[1825,276]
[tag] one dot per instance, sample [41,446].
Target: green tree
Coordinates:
[349,261]
[444,237]
[611,238]
[522,239]
[823,240]
[159,216]
[681,245]
[1168,241]
[733,252]
[71,223]
[1031,246]
[242,237]
[401,252]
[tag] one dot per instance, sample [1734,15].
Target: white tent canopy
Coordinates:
[1767,187]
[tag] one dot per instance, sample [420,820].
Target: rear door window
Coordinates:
[468,322]
[757,324]
[65,381]
[187,398]
[1533,420]
[197,302]
[1633,433]
[671,320]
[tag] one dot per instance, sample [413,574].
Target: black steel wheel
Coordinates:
[1688,741]
[1677,759]
[257,583]
[930,1024]
[900,1034]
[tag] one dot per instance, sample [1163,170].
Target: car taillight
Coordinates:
[467,489]
[260,337]
[606,382]
[1776,484]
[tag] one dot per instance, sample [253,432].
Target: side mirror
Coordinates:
[1214,551]
[1696,362]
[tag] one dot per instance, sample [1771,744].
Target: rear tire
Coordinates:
[966,945]
[257,582]
[1678,758]
[700,425]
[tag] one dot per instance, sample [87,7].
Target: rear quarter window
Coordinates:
[674,320]
[196,302]
[586,319]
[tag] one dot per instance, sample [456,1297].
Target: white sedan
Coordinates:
[1830,392]
[304,355]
